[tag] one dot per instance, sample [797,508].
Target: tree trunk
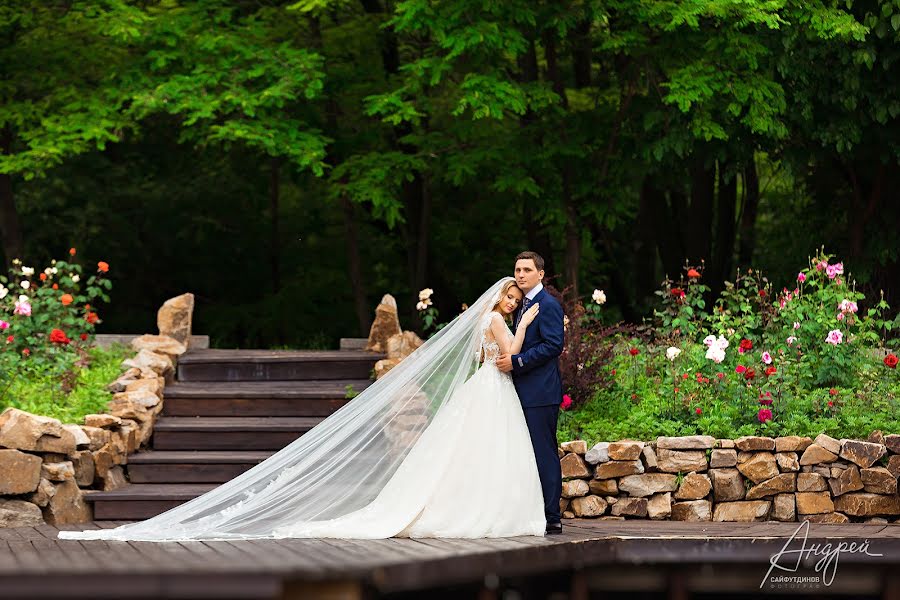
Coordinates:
[723,250]
[275,233]
[747,243]
[698,219]
[665,227]
[353,260]
[10,229]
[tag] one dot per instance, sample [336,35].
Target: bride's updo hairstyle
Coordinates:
[506,286]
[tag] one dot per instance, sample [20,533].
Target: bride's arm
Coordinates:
[500,332]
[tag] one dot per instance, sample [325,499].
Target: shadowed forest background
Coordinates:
[291,162]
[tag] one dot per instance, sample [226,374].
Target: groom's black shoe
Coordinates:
[553,528]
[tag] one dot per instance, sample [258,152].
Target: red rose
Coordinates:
[891,361]
[634,352]
[749,374]
[771,371]
[693,273]
[832,392]
[746,345]
[698,410]
[26,352]
[830,403]
[84,336]
[566,402]
[10,339]
[720,375]
[762,293]
[58,336]
[740,369]
[764,415]
[91,318]
[684,375]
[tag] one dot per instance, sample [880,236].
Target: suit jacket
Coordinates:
[536,368]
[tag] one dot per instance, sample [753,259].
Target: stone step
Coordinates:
[192,466]
[316,398]
[229,433]
[275,365]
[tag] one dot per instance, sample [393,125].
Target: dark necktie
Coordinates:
[525,304]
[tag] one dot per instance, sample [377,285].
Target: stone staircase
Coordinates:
[227,411]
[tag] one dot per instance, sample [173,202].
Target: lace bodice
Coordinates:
[489,345]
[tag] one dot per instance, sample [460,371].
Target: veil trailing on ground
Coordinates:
[342,463]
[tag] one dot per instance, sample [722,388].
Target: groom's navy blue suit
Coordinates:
[539,385]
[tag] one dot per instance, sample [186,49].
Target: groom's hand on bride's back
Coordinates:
[504,363]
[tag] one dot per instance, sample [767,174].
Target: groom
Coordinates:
[536,376]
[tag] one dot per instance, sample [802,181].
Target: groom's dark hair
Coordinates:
[537,258]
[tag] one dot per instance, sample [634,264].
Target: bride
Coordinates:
[438,447]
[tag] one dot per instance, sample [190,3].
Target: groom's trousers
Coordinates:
[541,422]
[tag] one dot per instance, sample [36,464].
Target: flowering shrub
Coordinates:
[807,359]
[47,319]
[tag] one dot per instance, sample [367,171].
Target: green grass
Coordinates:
[42,394]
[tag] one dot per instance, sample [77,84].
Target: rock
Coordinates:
[58,471]
[647,484]
[650,460]
[878,480]
[559,452]
[45,491]
[725,444]
[787,461]
[81,438]
[618,468]
[892,442]
[822,470]
[603,487]
[102,421]
[153,385]
[568,515]
[811,503]
[384,326]
[784,508]
[19,513]
[125,408]
[834,518]
[576,446]
[692,510]
[115,478]
[589,506]
[894,465]
[383,366]
[598,454]
[864,504]
[758,467]
[659,506]
[573,465]
[728,485]
[161,344]
[811,482]
[564,504]
[694,486]
[688,442]
[792,443]
[876,437]
[816,454]
[610,518]
[780,484]
[633,507]
[723,458]
[401,345]
[160,364]
[847,481]
[103,462]
[174,318]
[24,431]
[743,511]
[67,505]
[625,450]
[828,443]
[20,472]
[575,488]
[98,437]
[863,454]
[681,461]
[749,443]
[83,464]
[876,520]
[145,398]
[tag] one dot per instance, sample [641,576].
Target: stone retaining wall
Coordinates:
[47,467]
[700,478]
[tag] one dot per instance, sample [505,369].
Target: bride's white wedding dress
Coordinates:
[471,474]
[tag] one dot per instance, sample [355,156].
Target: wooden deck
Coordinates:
[592,559]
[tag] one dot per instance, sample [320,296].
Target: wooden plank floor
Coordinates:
[35,564]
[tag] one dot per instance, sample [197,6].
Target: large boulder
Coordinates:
[161,344]
[401,345]
[160,364]
[25,431]
[67,505]
[20,473]
[385,325]
[174,318]
[19,513]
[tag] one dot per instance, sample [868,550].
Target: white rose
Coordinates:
[28,271]
[3,291]
[715,354]
[25,284]
[425,294]
[75,278]
[421,306]
[23,298]
[53,270]
[672,353]
[599,296]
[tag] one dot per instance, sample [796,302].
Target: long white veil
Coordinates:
[341,464]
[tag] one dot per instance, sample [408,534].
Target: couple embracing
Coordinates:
[457,441]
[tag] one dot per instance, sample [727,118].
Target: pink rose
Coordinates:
[801,277]
[22,308]
[767,358]
[4,324]
[835,337]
